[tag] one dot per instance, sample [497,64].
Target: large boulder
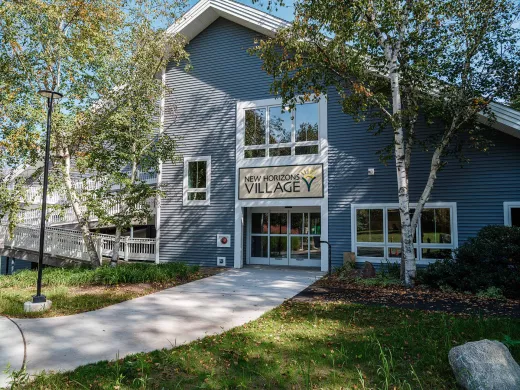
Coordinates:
[484,365]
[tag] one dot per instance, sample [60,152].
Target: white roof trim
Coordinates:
[205,12]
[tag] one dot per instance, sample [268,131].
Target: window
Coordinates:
[273,131]
[377,232]
[512,213]
[197,178]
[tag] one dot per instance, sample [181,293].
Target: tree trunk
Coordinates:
[408,264]
[115,249]
[82,219]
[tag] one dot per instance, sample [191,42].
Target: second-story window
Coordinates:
[274,131]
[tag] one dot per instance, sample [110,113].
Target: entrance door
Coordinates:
[285,237]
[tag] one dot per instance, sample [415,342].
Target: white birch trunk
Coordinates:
[115,249]
[82,220]
[408,264]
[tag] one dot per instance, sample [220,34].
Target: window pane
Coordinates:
[299,248]
[365,251]
[515,216]
[258,246]
[315,247]
[430,253]
[196,196]
[274,152]
[306,149]
[297,223]
[255,127]
[315,223]
[197,174]
[394,226]
[369,224]
[307,122]
[254,153]
[278,246]
[396,252]
[279,125]
[278,223]
[435,226]
[259,223]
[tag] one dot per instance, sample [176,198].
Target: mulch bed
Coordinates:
[331,289]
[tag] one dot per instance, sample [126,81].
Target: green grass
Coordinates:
[303,346]
[105,275]
[75,290]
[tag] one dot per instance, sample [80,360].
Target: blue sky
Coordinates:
[285,12]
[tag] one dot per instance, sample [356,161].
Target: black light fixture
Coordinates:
[51,96]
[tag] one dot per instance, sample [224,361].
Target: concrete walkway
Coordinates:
[167,318]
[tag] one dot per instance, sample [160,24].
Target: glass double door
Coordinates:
[285,237]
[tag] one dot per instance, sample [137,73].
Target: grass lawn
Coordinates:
[303,346]
[75,290]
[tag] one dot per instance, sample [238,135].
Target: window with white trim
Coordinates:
[273,130]
[197,180]
[377,232]
[512,214]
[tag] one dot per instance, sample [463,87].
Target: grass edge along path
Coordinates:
[77,290]
[302,346]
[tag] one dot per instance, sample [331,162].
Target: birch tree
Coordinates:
[399,61]
[73,47]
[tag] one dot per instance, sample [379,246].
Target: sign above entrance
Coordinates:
[281,182]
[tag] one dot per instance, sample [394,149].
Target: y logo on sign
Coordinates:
[308,177]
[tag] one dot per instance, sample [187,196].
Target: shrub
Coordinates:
[491,259]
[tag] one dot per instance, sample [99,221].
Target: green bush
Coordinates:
[491,259]
[130,273]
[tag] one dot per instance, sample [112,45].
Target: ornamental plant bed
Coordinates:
[369,292]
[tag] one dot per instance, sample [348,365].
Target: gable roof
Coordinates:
[205,12]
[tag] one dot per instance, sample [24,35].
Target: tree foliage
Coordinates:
[398,62]
[104,57]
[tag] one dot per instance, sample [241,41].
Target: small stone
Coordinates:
[483,365]
[368,271]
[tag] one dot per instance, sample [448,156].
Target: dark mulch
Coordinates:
[419,298]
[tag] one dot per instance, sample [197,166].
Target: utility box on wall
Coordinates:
[221,261]
[223,240]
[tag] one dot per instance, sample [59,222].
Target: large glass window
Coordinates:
[275,131]
[377,232]
[197,171]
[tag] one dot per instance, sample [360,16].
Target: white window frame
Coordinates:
[452,206]
[207,189]
[270,103]
[507,212]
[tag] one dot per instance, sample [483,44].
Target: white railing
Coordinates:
[69,244]
[34,192]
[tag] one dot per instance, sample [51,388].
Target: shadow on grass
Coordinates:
[300,345]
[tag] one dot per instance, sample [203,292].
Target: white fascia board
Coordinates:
[205,12]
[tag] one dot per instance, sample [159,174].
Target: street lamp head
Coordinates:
[50,94]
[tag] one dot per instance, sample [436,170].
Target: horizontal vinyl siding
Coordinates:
[201,113]
[479,187]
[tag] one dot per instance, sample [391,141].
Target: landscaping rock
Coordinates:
[368,271]
[484,365]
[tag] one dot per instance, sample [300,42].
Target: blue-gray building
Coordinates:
[260,185]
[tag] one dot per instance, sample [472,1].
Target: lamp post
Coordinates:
[39,299]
